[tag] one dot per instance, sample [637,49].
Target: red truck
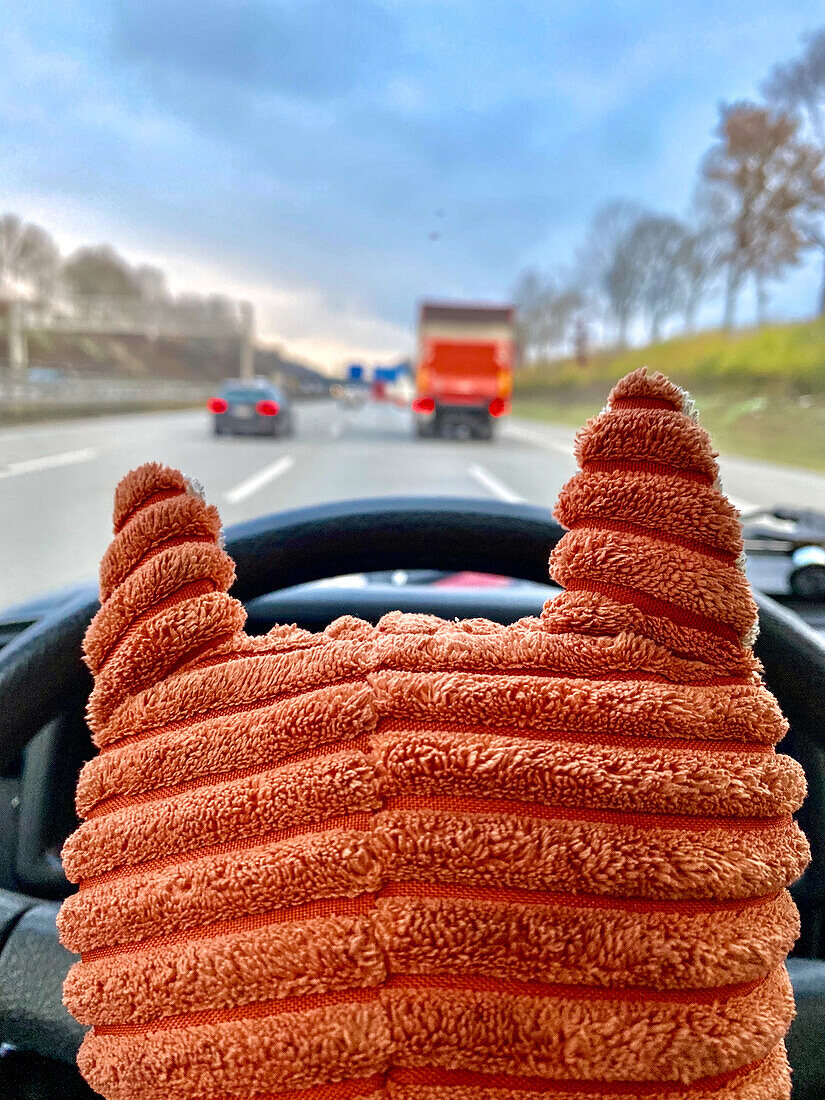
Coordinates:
[464,378]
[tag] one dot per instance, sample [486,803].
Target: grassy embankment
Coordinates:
[760,393]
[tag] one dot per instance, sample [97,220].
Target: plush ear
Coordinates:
[163,587]
[653,545]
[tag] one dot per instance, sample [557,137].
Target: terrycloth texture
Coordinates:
[440,861]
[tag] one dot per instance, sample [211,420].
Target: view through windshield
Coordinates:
[337,794]
[433,234]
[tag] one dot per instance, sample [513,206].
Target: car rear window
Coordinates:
[256,393]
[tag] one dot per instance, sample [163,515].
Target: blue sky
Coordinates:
[305,154]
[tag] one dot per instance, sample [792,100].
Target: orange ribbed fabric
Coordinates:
[430,860]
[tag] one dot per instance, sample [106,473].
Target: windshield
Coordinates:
[315,251]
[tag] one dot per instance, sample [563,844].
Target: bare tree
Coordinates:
[527,298]
[797,87]
[218,307]
[606,267]
[652,254]
[100,271]
[530,297]
[546,311]
[565,308]
[151,283]
[212,308]
[761,183]
[29,259]
[697,262]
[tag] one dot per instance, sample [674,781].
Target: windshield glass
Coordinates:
[248,393]
[315,251]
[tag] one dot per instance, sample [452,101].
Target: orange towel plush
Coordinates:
[432,860]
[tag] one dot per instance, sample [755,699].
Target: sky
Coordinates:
[335,161]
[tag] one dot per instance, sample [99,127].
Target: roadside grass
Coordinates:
[781,434]
[760,393]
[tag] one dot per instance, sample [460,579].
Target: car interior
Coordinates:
[329,294]
[44,738]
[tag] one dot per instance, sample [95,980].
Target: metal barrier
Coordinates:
[25,396]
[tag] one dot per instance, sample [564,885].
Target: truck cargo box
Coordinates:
[465,368]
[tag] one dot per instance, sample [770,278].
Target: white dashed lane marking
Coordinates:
[493,485]
[257,481]
[48,462]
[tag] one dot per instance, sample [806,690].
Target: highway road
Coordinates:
[57,479]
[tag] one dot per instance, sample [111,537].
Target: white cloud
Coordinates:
[306,324]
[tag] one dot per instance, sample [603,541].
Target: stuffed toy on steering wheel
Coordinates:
[432,860]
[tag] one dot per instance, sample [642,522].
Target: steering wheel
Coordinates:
[42,667]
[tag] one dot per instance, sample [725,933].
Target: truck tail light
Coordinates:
[217,405]
[499,407]
[423,405]
[267,408]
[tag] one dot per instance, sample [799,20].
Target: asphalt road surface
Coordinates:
[57,479]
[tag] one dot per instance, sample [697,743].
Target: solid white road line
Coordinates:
[48,462]
[257,481]
[518,431]
[493,485]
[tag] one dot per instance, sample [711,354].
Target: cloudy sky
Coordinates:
[336,160]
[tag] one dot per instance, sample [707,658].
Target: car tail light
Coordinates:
[499,407]
[267,408]
[217,405]
[423,405]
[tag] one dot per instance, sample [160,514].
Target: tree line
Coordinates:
[33,269]
[758,210]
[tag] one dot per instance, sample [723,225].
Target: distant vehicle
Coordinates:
[251,407]
[353,391]
[49,376]
[383,380]
[350,395]
[465,369]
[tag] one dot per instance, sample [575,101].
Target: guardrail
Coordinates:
[27,399]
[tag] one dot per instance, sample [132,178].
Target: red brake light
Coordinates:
[217,405]
[499,407]
[267,408]
[423,405]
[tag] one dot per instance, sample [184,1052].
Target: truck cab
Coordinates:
[464,376]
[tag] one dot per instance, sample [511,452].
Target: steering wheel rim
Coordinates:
[43,665]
